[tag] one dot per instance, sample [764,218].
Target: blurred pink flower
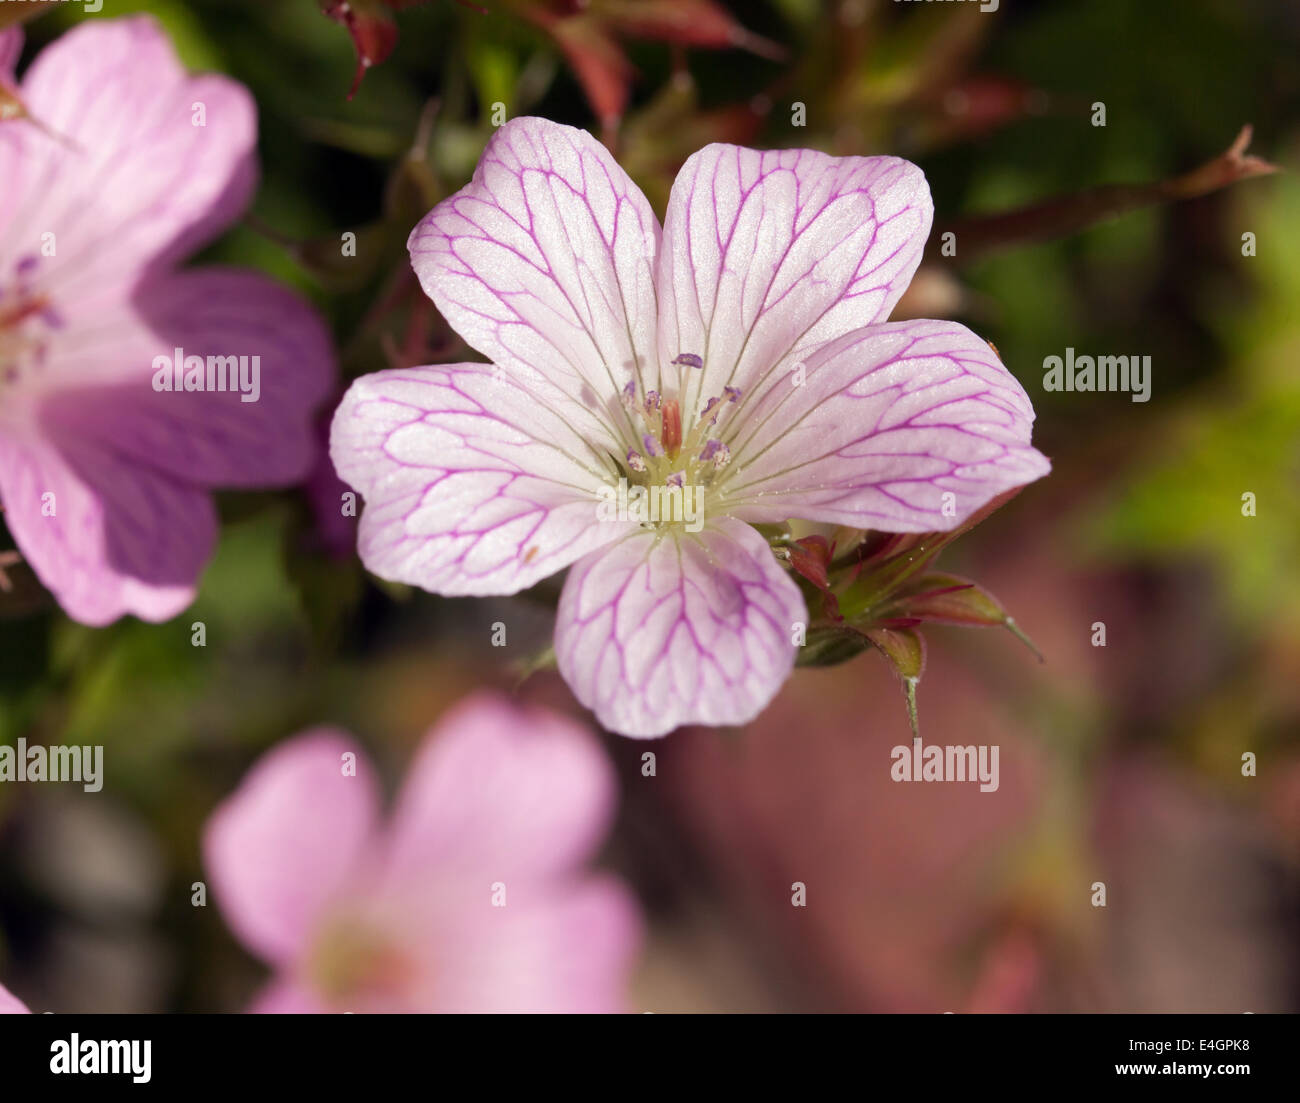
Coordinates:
[9,1003]
[471,898]
[125,167]
[741,354]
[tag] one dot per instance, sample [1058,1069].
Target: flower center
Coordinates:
[675,452]
[26,322]
[351,961]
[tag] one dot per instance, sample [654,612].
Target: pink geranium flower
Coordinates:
[471,898]
[123,168]
[742,353]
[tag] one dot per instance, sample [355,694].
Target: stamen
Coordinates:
[28,308]
[672,428]
[676,448]
[26,319]
[717,453]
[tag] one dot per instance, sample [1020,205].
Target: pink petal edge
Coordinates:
[905,427]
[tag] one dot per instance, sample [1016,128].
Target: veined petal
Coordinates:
[767,255]
[887,421]
[472,486]
[665,629]
[107,537]
[169,159]
[283,844]
[544,263]
[497,792]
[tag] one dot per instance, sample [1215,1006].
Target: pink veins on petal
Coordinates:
[742,353]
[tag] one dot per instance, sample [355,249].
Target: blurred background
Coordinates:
[1120,764]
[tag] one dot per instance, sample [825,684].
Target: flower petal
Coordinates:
[472,485]
[497,792]
[169,159]
[888,421]
[105,536]
[9,1003]
[544,263]
[11,48]
[570,952]
[767,255]
[286,996]
[281,846]
[209,438]
[662,630]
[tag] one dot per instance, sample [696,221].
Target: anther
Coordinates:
[716,452]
